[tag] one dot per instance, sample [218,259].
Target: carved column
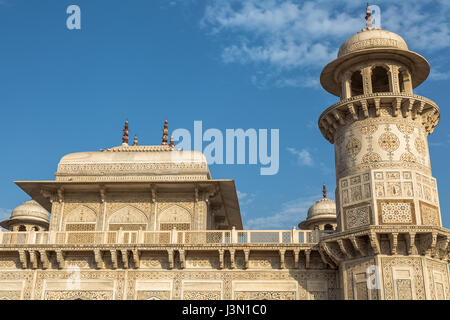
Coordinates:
[367,79]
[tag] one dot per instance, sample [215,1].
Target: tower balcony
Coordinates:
[376,105]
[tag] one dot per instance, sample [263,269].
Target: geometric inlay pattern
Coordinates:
[396,212]
[264,295]
[389,141]
[430,214]
[357,217]
[404,289]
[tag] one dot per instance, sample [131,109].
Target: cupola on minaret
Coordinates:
[379,129]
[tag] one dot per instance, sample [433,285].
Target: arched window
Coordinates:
[357,84]
[22,228]
[328,227]
[175,216]
[35,229]
[380,80]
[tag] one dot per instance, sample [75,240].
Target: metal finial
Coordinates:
[172,143]
[135,141]
[324,191]
[125,133]
[369,23]
[165,136]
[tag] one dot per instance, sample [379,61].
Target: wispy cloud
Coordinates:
[304,157]
[291,213]
[245,198]
[439,75]
[290,41]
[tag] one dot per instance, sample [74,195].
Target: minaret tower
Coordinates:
[388,211]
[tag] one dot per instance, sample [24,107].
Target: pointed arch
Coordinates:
[127,218]
[82,218]
[175,216]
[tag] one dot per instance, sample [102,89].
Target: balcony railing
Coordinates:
[162,237]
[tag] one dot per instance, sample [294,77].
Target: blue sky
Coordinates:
[232,64]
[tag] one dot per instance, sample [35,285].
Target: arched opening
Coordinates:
[35,229]
[22,228]
[175,216]
[380,80]
[328,227]
[357,84]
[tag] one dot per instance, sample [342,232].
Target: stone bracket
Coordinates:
[44,259]
[232,255]
[246,256]
[136,258]
[307,258]
[23,259]
[325,260]
[356,245]
[170,255]
[410,241]
[393,238]
[114,258]
[98,259]
[125,258]
[296,255]
[374,242]
[282,253]
[182,255]
[343,249]
[33,259]
[221,260]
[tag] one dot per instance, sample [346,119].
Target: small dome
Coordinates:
[372,39]
[322,208]
[30,210]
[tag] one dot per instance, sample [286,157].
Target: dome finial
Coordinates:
[369,23]
[125,133]
[324,191]
[135,142]
[165,136]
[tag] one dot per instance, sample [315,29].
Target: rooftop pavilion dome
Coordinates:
[135,162]
[321,215]
[27,214]
[373,43]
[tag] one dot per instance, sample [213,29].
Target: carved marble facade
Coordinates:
[149,222]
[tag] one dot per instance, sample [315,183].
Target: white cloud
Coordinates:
[245,198]
[291,214]
[290,41]
[304,157]
[438,75]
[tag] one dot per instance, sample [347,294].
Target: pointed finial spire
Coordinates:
[135,141]
[172,143]
[324,191]
[369,23]
[125,133]
[165,136]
